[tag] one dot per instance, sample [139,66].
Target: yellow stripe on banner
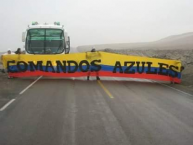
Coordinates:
[110,59]
[107,59]
[106,91]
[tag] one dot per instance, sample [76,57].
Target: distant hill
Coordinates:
[73,50]
[175,38]
[182,41]
[2,53]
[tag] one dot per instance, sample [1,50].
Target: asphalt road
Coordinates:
[107,112]
[113,111]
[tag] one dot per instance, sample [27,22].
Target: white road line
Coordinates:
[6,105]
[165,86]
[174,89]
[30,85]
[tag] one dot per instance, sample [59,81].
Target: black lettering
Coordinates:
[49,65]
[142,67]
[118,65]
[70,70]
[173,73]
[22,66]
[97,66]
[61,66]
[81,66]
[163,69]
[36,66]
[149,70]
[128,69]
[9,67]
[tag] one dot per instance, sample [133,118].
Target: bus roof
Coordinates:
[45,26]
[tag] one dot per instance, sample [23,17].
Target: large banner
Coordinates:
[93,64]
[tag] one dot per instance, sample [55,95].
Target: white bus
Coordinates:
[46,39]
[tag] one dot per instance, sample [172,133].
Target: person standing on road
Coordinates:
[18,51]
[92,56]
[7,53]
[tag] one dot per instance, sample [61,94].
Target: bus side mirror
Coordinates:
[23,36]
[69,41]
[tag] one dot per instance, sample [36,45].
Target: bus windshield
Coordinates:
[45,41]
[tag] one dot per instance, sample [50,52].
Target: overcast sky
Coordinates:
[97,21]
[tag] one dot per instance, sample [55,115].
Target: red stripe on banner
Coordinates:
[101,73]
[142,76]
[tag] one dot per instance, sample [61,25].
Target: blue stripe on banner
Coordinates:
[103,68]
